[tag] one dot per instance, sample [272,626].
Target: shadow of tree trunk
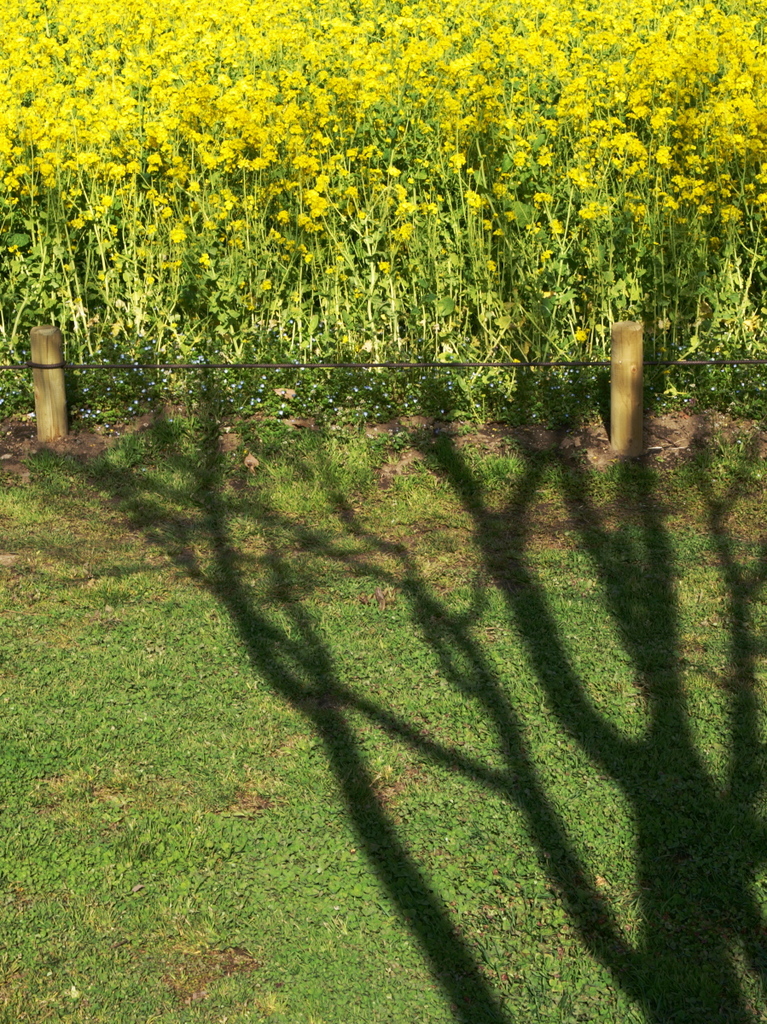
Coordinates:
[299,667]
[694,882]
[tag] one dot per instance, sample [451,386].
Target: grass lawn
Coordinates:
[487,744]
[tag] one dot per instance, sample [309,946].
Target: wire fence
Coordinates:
[373,366]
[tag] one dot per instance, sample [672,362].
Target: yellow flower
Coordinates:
[281,120]
[663,156]
[594,211]
[580,177]
[473,201]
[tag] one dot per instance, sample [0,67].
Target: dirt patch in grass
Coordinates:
[396,467]
[668,439]
[11,981]
[249,803]
[75,795]
[194,975]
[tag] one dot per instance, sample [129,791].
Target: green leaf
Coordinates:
[523,213]
[445,306]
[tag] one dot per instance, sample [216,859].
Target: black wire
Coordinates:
[370,366]
[288,366]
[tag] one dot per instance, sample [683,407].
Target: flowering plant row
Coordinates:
[382,180]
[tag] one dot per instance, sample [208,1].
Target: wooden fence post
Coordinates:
[48,376]
[626,397]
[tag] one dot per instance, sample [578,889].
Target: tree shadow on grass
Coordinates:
[694,878]
[697,846]
[298,666]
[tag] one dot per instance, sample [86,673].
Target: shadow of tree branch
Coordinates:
[299,667]
[694,883]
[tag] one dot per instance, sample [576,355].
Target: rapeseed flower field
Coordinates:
[452,179]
